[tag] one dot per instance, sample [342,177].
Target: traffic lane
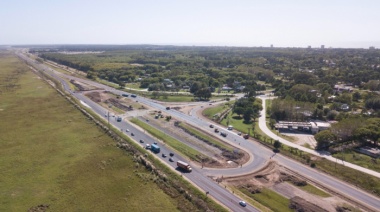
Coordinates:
[221,194]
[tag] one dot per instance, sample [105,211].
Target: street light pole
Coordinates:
[108,116]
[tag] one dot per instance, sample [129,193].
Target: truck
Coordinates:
[155,148]
[184,166]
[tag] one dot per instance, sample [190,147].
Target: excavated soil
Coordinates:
[273,176]
[81,86]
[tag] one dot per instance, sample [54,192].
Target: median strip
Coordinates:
[174,143]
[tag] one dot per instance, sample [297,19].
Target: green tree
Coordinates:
[356,96]
[324,139]
[247,115]
[121,84]
[277,144]
[370,130]
[203,93]
[239,110]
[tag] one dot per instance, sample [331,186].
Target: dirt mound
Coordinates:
[118,104]
[39,208]
[80,86]
[300,205]
[296,181]
[264,177]
[253,189]
[94,96]
[233,155]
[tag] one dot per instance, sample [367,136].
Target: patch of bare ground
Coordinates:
[303,200]
[94,96]
[119,104]
[82,86]
[273,176]
[264,177]
[39,208]
[186,109]
[300,204]
[107,99]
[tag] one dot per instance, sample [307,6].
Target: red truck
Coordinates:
[184,166]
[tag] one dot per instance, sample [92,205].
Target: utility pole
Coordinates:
[108,116]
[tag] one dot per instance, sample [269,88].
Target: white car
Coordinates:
[127,130]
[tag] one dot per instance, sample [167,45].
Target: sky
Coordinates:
[281,23]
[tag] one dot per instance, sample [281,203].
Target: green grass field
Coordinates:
[133,86]
[270,199]
[211,111]
[52,154]
[174,143]
[359,159]
[314,190]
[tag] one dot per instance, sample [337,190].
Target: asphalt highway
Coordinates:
[199,176]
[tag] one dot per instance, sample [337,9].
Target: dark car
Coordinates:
[242,203]
[216,130]
[211,126]
[171,159]
[167,108]
[132,134]
[163,155]
[171,154]
[141,141]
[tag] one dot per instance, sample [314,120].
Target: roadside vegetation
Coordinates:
[314,190]
[359,159]
[270,199]
[214,112]
[55,158]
